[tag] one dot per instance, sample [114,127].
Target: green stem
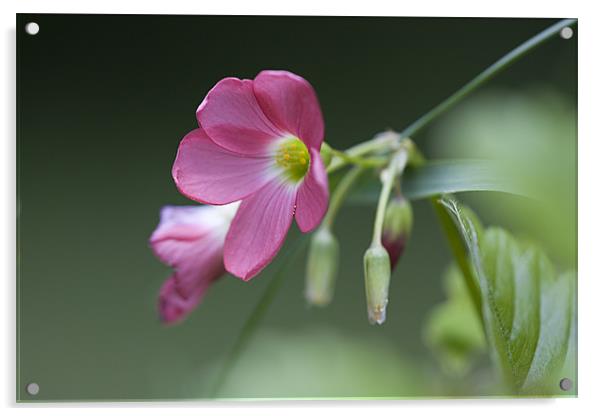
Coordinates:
[486,75]
[393,170]
[387,141]
[256,315]
[374,162]
[339,195]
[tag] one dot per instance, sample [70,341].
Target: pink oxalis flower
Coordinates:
[191,240]
[258,142]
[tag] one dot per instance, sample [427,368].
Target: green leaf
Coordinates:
[527,307]
[453,329]
[447,176]
[456,232]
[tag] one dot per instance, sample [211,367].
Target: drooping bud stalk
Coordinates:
[397,228]
[323,258]
[326,154]
[377,265]
[322,265]
[377,275]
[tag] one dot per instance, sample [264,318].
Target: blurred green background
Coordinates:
[102,104]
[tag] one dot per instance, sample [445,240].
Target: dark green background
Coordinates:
[102,104]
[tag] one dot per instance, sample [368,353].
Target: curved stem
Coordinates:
[390,140]
[361,149]
[256,316]
[486,75]
[373,162]
[338,196]
[385,193]
[393,170]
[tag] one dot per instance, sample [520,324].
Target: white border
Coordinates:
[511,8]
[590,236]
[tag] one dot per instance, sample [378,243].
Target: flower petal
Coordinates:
[291,104]
[191,240]
[183,224]
[259,229]
[233,119]
[312,197]
[207,173]
[173,304]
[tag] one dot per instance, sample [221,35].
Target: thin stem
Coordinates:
[486,75]
[392,171]
[339,195]
[374,162]
[389,140]
[257,315]
[386,141]
[385,193]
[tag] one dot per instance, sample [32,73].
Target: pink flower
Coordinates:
[191,240]
[259,142]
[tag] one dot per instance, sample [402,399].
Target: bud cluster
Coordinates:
[392,229]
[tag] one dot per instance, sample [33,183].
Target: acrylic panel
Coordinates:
[267,207]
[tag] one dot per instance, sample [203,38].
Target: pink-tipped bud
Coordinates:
[377,274]
[397,228]
[322,265]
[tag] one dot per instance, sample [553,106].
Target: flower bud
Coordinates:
[322,264]
[377,274]
[397,228]
[326,154]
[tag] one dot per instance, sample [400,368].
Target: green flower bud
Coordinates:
[397,228]
[322,264]
[326,154]
[377,274]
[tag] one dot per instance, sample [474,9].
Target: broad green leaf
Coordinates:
[447,176]
[453,329]
[527,307]
[457,232]
[558,322]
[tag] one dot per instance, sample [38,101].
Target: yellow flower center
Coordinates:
[292,157]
